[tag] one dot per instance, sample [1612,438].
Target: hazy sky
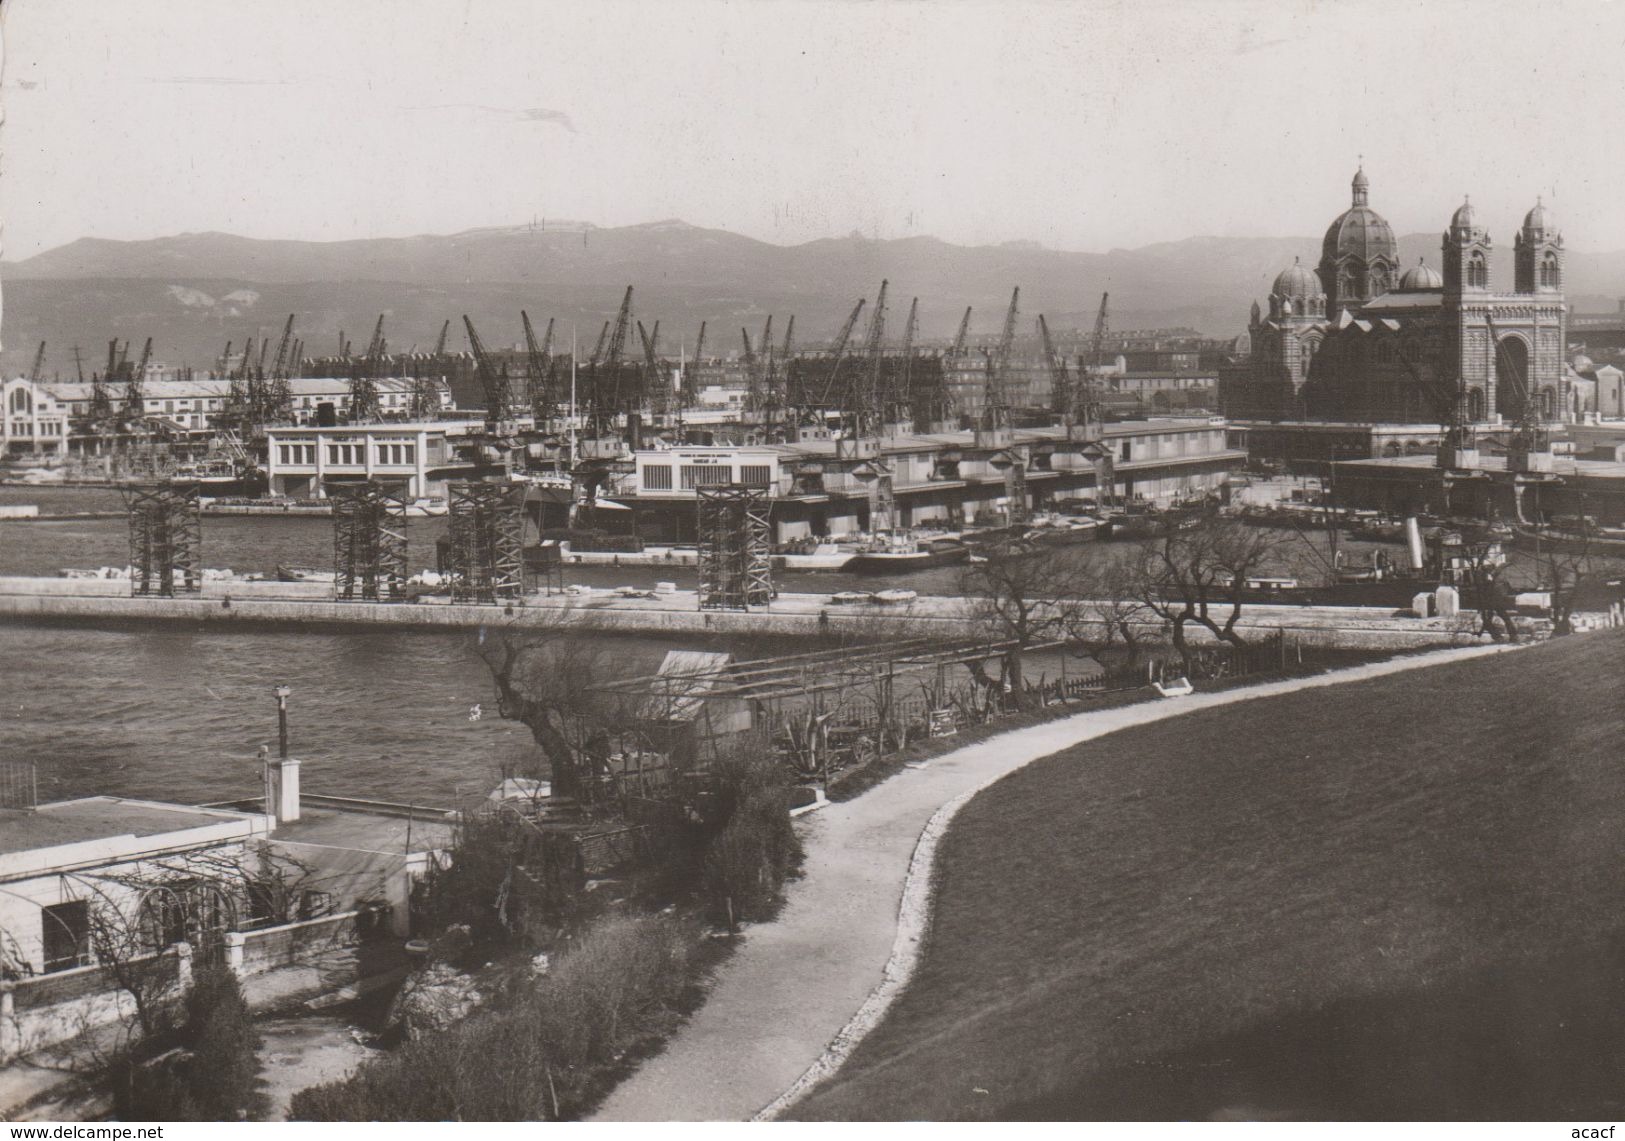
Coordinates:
[1083,125]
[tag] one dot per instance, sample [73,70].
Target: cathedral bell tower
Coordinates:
[1538,258]
[1466,254]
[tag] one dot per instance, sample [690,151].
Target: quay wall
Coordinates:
[91,601]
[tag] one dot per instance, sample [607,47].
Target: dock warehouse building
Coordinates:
[417,457]
[945,479]
[47,417]
[1403,485]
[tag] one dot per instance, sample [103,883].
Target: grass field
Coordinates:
[1393,899]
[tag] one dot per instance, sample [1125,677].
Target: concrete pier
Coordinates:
[94,601]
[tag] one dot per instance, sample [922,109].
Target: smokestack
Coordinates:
[1413,541]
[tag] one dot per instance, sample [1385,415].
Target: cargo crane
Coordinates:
[759,374]
[994,431]
[691,375]
[995,403]
[494,382]
[280,364]
[440,344]
[753,385]
[610,365]
[959,338]
[1062,397]
[39,364]
[538,392]
[623,328]
[778,370]
[363,379]
[1098,341]
[135,400]
[277,393]
[659,387]
[140,372]
[598,349]
[832,393]
[910,329]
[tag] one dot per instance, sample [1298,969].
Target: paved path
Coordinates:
[795,985]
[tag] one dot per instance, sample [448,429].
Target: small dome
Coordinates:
[1297,281]
[1420,277]
[1361,182]
[1539,219]
[1463,218]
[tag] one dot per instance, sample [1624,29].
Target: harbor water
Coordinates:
[175,713]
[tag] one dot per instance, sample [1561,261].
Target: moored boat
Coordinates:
[285,573]
[911,555]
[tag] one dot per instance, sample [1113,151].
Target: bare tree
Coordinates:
[1111,623]
[1197,575]
[1024,597]
[552,682]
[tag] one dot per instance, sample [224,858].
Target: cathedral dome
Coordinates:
[1420,277]
[1539,219]
[1298,281]
[1463,218]
[1359,231]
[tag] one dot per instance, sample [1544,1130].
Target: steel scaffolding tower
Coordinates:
[369,543]
[736,565]
[487,547]
[166,540]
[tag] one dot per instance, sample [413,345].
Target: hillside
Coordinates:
[193,292]
[1395,905]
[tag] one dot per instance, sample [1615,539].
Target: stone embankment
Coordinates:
[93,601]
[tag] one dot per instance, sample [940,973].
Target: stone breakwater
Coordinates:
[105,601]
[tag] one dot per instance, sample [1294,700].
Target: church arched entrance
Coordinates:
[1511,376]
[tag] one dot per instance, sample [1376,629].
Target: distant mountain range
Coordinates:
[193,292]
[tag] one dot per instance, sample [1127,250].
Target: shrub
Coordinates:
[540,1055]
[747,862]
[214,1075]
[751,847]
[504,881]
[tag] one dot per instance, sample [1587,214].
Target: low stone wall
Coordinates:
[47,1010]
[292,944]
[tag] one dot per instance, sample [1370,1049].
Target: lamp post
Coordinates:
[282,692]
[282,781]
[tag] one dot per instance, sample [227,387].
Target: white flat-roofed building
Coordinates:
[678,472]
[417,456]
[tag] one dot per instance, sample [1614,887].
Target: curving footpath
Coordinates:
[799,994]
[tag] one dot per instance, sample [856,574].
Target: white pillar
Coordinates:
[234,952]
[10,1035]
[284,791]
[183,966]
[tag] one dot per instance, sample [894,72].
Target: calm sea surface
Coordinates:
[175,713]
